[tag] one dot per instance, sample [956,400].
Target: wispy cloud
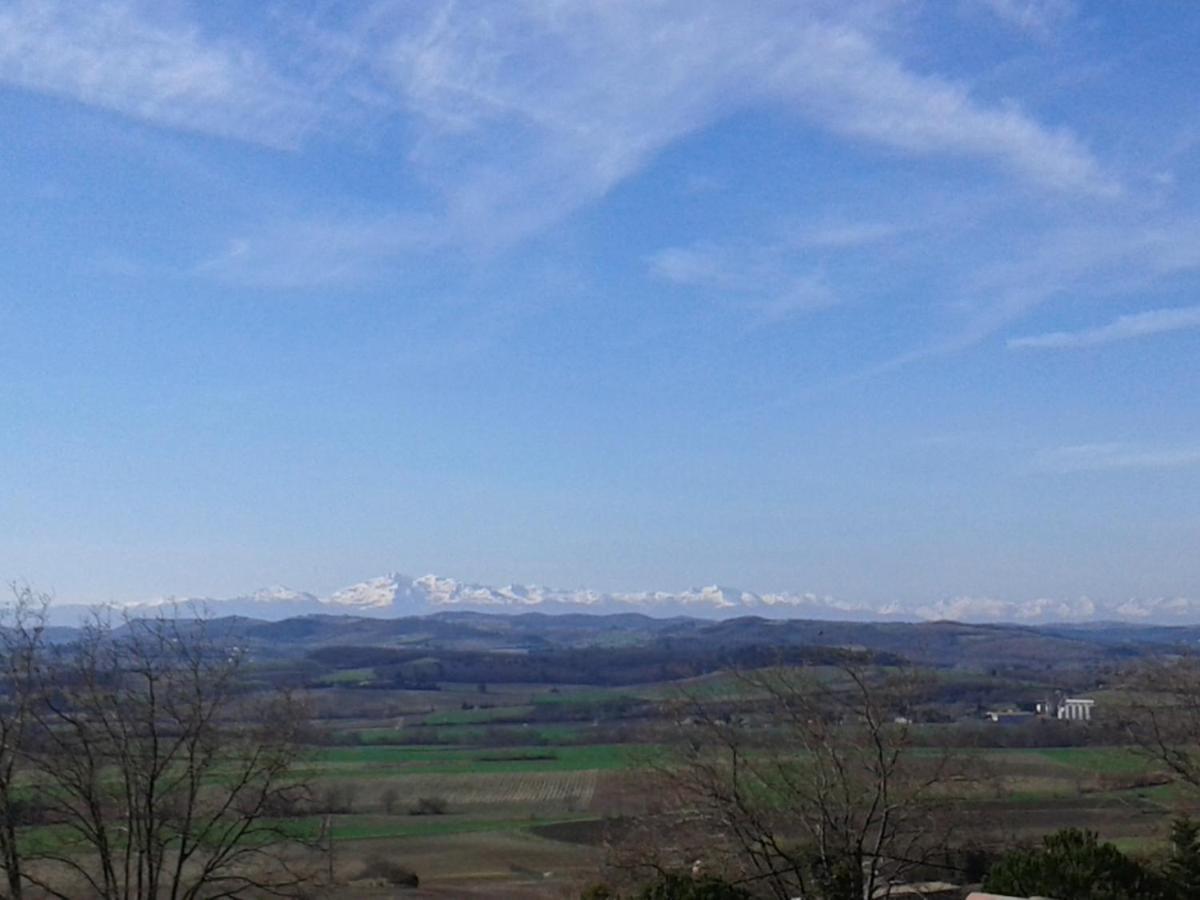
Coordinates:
[763,279]
[847,83]
[1111,260]
[1039,18]
[846,235]
[534,110]
[1116,456]
[1123,328]
[523,112]
[316,254]
[127,57]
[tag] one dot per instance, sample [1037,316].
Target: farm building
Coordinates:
[1008,716]
[1075,709]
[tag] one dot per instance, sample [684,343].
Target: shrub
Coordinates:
[1074,865]
[390,798]
[338,797]
[390,871]
[1183,865]
[429,806]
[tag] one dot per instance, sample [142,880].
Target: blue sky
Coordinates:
[883,300]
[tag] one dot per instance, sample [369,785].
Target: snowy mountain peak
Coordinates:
[396,594]
[376,593]
[280,594]
[722,597]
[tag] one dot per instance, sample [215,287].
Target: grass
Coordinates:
[480,716]
[442,760]
[1168,796]
[476,735]
[375,735]
[714,686]
[57,839]
[451,729]
[559,734]
[587,698]
[576,757]
[1142,846]
[1097,760]
[1080,760]
[350,676]
[362,828]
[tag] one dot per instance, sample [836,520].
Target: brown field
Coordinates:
[496,865]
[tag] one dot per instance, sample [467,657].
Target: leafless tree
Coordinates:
[390,798]
[1160,711]
[22,627]
[807,788]
[166,777]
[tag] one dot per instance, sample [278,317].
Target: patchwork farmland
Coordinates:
[534,820]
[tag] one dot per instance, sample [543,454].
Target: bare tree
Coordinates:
[21,635]
[1161,714]
[167,777]
[806,788]
[390,798]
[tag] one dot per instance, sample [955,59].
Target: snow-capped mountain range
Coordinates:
[400,595]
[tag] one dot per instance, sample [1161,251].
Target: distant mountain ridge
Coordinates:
[401,595]
[394,595]
[631,648]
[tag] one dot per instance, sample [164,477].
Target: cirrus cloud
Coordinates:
[1113,457]
[130,59]
[1123,328]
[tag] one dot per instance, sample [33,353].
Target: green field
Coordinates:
[373,828]
[491,781]
[350,677]
[376,760]
[1099,760]
[477,716]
